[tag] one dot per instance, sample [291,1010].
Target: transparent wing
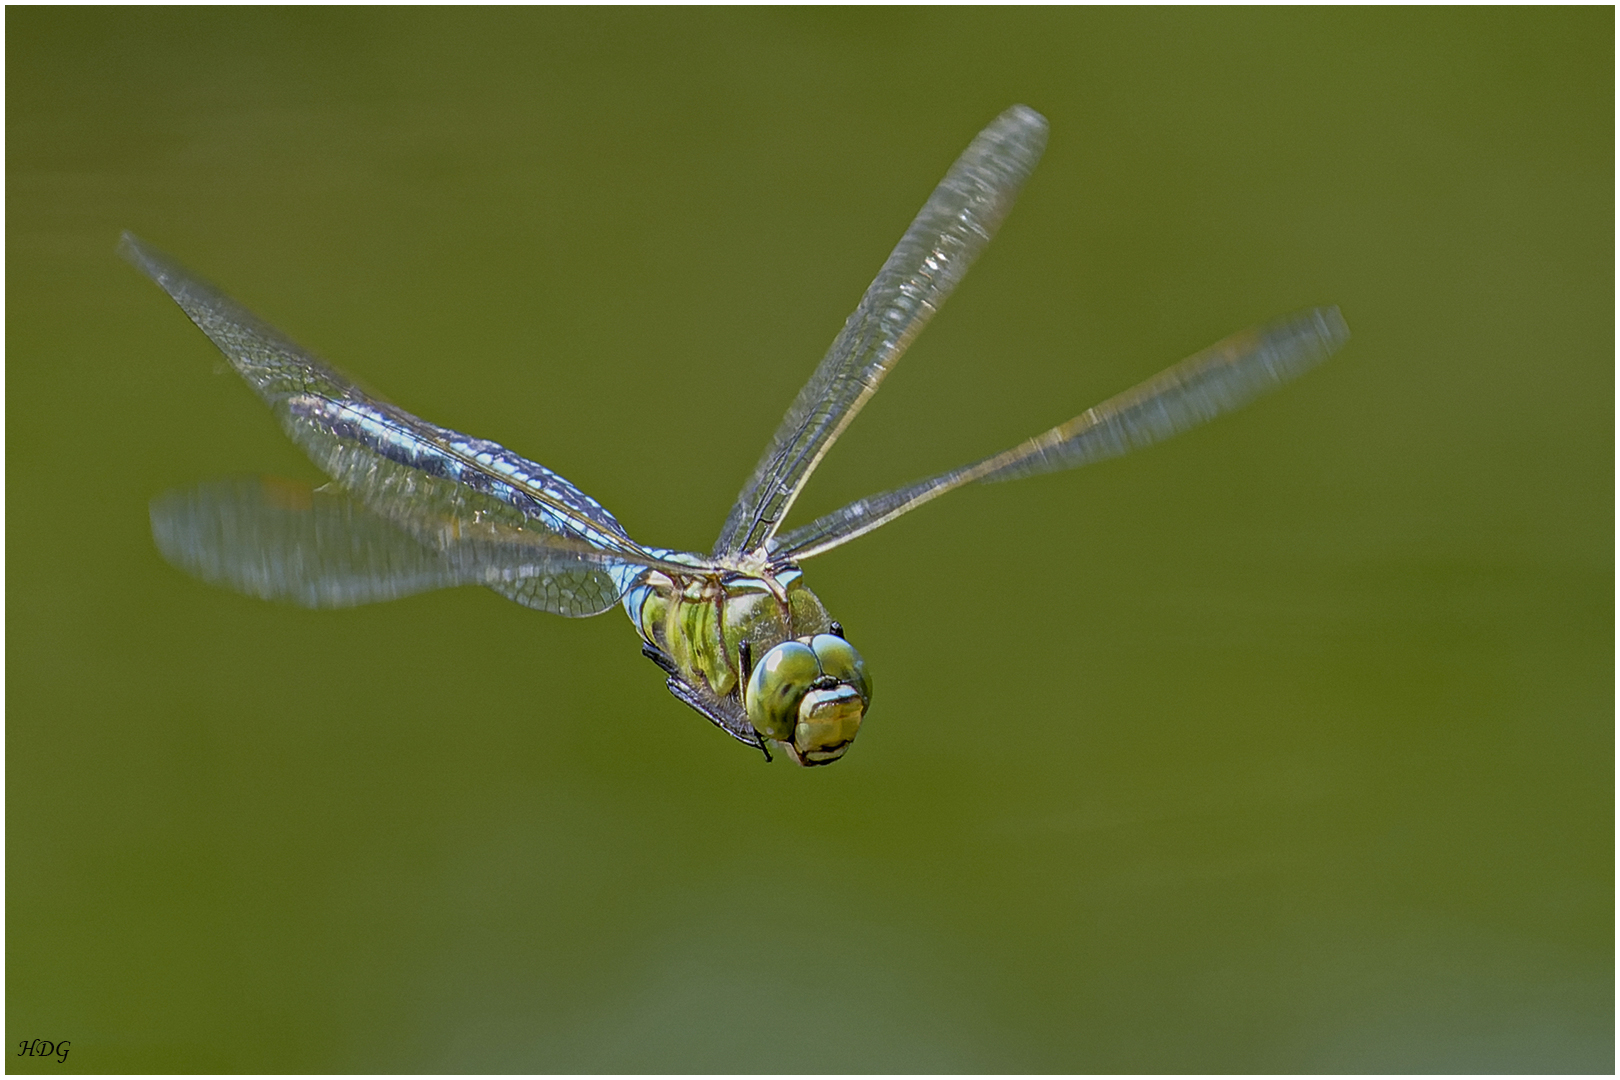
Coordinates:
[395,464]
[949,232]
[282,540]
[1223,377]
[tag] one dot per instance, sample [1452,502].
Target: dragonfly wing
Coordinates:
[396,464]
[282,540]
[1223,377]
[949,232]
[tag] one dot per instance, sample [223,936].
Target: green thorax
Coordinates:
[702,621]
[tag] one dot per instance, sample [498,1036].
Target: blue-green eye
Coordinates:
[776,687]
[839,659]
[810,694]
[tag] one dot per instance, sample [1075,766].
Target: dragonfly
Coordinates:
[410,506]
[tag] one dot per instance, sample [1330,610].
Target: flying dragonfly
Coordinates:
[740,638]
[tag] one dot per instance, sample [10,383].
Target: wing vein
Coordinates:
[1223,377]
[947,235]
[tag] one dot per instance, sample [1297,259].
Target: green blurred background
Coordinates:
[1286,746]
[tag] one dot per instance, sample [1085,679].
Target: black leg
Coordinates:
[659,657]
[837,629]
[723,713]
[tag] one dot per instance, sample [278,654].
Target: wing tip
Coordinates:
[133,250]
[1331,327]
[1025,116]
[1021,124]
[147,259]
[1296,343]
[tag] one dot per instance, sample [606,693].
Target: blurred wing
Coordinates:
[951,230]
[397,465]
[281,540]
[1223,377]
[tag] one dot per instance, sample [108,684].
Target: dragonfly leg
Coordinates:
[746,648]
[723,713]
[837,628]
[660,657]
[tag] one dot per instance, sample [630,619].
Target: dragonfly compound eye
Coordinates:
[839,659]
[811,694]
[777,686]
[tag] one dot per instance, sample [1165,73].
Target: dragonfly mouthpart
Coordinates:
[828,722]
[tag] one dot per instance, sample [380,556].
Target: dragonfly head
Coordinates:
[809,694]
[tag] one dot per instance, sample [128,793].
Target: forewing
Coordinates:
[396,464]
[1223,377]
[281,540]
[951,230]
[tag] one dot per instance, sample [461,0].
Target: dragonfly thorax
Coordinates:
[764,640]
[702,620]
